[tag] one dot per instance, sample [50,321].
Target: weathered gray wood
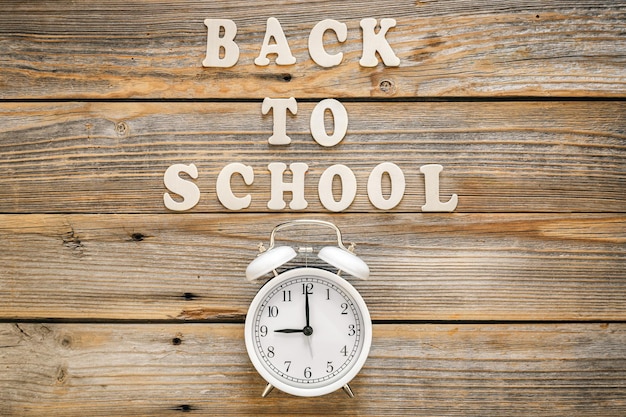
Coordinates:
[423,267]
[120,49]
[413,370]
[498,157]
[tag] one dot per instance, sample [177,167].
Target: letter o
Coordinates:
[348,187]
[340,120]
[375,189]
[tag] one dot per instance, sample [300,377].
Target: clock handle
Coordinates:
[309,222]
[338,256]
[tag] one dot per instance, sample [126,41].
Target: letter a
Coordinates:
[280,48]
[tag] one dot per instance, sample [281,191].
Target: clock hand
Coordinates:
[310,345]
[306,308]
[289,331]
[308,330]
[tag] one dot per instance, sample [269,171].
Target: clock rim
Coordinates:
[358,362]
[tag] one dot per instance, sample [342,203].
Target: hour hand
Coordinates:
[289,331]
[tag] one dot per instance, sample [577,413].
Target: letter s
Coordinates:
[188,190]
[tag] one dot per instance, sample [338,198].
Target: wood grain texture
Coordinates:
[498,157]
[423,267]
[413,370]
[149,49]
[513,305]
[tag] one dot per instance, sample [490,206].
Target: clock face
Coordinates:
[308,332]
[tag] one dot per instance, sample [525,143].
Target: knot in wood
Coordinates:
[387,86]
[121,129]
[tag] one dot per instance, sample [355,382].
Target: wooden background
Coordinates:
[515,304]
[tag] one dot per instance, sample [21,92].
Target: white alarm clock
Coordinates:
[308,331]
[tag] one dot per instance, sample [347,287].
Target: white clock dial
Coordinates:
[308,332]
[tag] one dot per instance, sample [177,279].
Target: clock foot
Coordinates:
[267,390]
[348,391]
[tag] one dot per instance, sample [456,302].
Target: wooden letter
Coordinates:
[280,106]
[316,44]
[431,183]
[298,170]
[376,42]
[348,187]
[188,190]
[375,188]
[340,119]
[225,193]
[281,47]
[221,51]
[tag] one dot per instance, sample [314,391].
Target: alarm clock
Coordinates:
[308,331]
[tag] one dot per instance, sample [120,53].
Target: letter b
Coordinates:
[221,52]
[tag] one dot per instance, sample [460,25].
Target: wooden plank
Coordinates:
[413,370]
[423,267]
[120,49]
[98,157]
